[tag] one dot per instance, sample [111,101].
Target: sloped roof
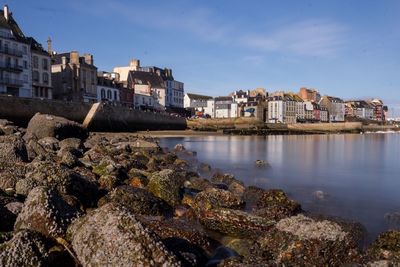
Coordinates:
[149,78]
[201,97]
[12,25]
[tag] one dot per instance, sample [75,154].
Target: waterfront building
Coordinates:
[108,87]
[241,96]
[74,77]
[309,94]
[224,107]
[282,108]
[359,109]
[15,58]
[335,107]
[196,102]
[41,70]
[324,114]
[149,90]
[172,93]
[378,107]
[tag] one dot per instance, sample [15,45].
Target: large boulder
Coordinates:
[303,241]
[12,150]
[113,235]
[45,211]
[137,201]
[167,185]
[44,125]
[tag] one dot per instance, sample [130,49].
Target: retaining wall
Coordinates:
[108,118]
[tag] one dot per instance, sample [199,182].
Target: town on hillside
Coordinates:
[30,71]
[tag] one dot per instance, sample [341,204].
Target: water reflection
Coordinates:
[358,173]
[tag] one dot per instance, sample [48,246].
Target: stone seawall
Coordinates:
[119,119]
[21,110]
[107,118]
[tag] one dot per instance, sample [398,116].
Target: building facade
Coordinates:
[41,71]
[74,77]
[335,107]
[108,87]
[149,90]
[282,109]
[196,102]
[224,107]
[15,58]
[309,94]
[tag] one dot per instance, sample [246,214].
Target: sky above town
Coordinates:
[343,48]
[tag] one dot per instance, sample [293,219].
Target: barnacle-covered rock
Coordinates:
[26,248]
[12,149]
[217,198]
[137,201]
[274,204]
[64,180]
[113,235]
[302,241]
[235,222]
[386,248]
[167,184]
[225,178]
[184,238]
[45,211]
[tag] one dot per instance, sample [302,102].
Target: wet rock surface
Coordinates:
[122,200]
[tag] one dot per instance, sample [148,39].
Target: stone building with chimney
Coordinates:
[74,77]
[15,58]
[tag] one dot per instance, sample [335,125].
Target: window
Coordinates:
[45,64]
[103,94]
[25,49]
[35,76]
[25,78]
[16,62]
[45,77]
[109,95]
[25,64]
[115,95]
[35,62]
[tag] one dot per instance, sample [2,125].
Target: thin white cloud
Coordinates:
[312,37]
[309,38]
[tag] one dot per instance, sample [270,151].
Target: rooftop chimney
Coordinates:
[6,12]
[88,59]
[74,57]
[49,49]
[135,63]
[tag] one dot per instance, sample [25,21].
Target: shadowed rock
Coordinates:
[43,125]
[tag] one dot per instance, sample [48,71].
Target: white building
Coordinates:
[282,109]
[196,102]
[108,87]
[15,58]
[149,90]
[224,107]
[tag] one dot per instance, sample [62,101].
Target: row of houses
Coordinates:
[28,70]
[285,107]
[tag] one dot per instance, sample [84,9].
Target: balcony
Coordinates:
[11,82]
[11,51]
[10,67]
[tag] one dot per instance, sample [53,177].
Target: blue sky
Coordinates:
[343,48]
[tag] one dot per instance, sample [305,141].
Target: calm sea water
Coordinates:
[359,175]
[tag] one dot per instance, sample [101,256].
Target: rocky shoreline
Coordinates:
[71,198]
